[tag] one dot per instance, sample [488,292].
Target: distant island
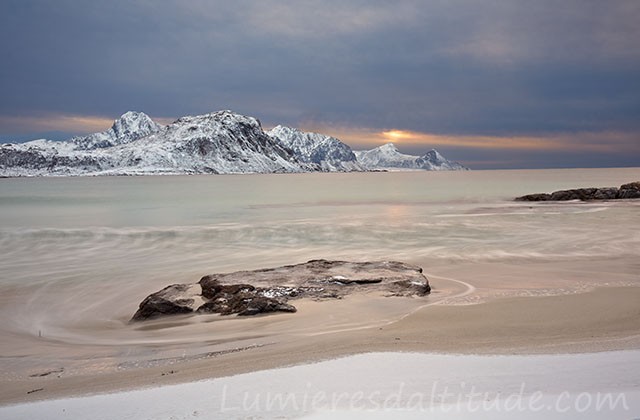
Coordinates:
[217,143]
[626,191]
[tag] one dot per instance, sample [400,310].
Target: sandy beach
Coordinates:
[319,210]
[517,281]
[586,319]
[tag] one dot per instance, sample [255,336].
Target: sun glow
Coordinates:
[397,135]
[603,141]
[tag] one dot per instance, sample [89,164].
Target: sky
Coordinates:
[492,83]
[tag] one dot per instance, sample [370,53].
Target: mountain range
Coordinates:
[218,143]
[388,157]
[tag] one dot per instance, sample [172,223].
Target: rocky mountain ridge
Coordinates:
[389,157]
[328,152]
[221,142]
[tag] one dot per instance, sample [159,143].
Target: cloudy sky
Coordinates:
[493,84]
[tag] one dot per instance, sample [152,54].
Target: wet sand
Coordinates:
[603,319]
[507,277]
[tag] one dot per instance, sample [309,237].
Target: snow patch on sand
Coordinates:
[380,385]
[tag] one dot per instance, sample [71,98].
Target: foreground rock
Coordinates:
[631,190]
[268,290]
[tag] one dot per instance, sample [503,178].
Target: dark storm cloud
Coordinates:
[499,68]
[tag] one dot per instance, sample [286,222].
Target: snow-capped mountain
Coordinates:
[129,127]
[387,156]
[220,142]
[328,152]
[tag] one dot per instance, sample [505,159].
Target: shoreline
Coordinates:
[409,385]
[604,319]
[368,171]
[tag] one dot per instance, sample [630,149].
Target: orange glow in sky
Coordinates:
[397,135]
[364,138]
[360,138]
[64,122]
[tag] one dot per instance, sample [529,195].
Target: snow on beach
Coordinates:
[377,385]
[110,241]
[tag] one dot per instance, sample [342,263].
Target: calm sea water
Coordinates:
[82,252]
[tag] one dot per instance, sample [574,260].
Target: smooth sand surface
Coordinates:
[603,319]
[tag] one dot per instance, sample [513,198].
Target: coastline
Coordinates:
[380,385]
[508,278]
[605,319]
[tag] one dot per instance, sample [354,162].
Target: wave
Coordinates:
[475,235]
[73,283]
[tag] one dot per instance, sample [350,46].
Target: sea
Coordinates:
[78,254]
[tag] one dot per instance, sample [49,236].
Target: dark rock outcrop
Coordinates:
[172,300]
[631,190]
[244,304]
[241,299]
[626,191]
[255,292]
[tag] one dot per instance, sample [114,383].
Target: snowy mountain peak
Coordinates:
[389,147]
[296,139]
[228,119]
[387,156]
[285,133]
[433,156]
[222,142]
[129,127]
[225,115]
[218,142]
[328,152]
[134,124]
